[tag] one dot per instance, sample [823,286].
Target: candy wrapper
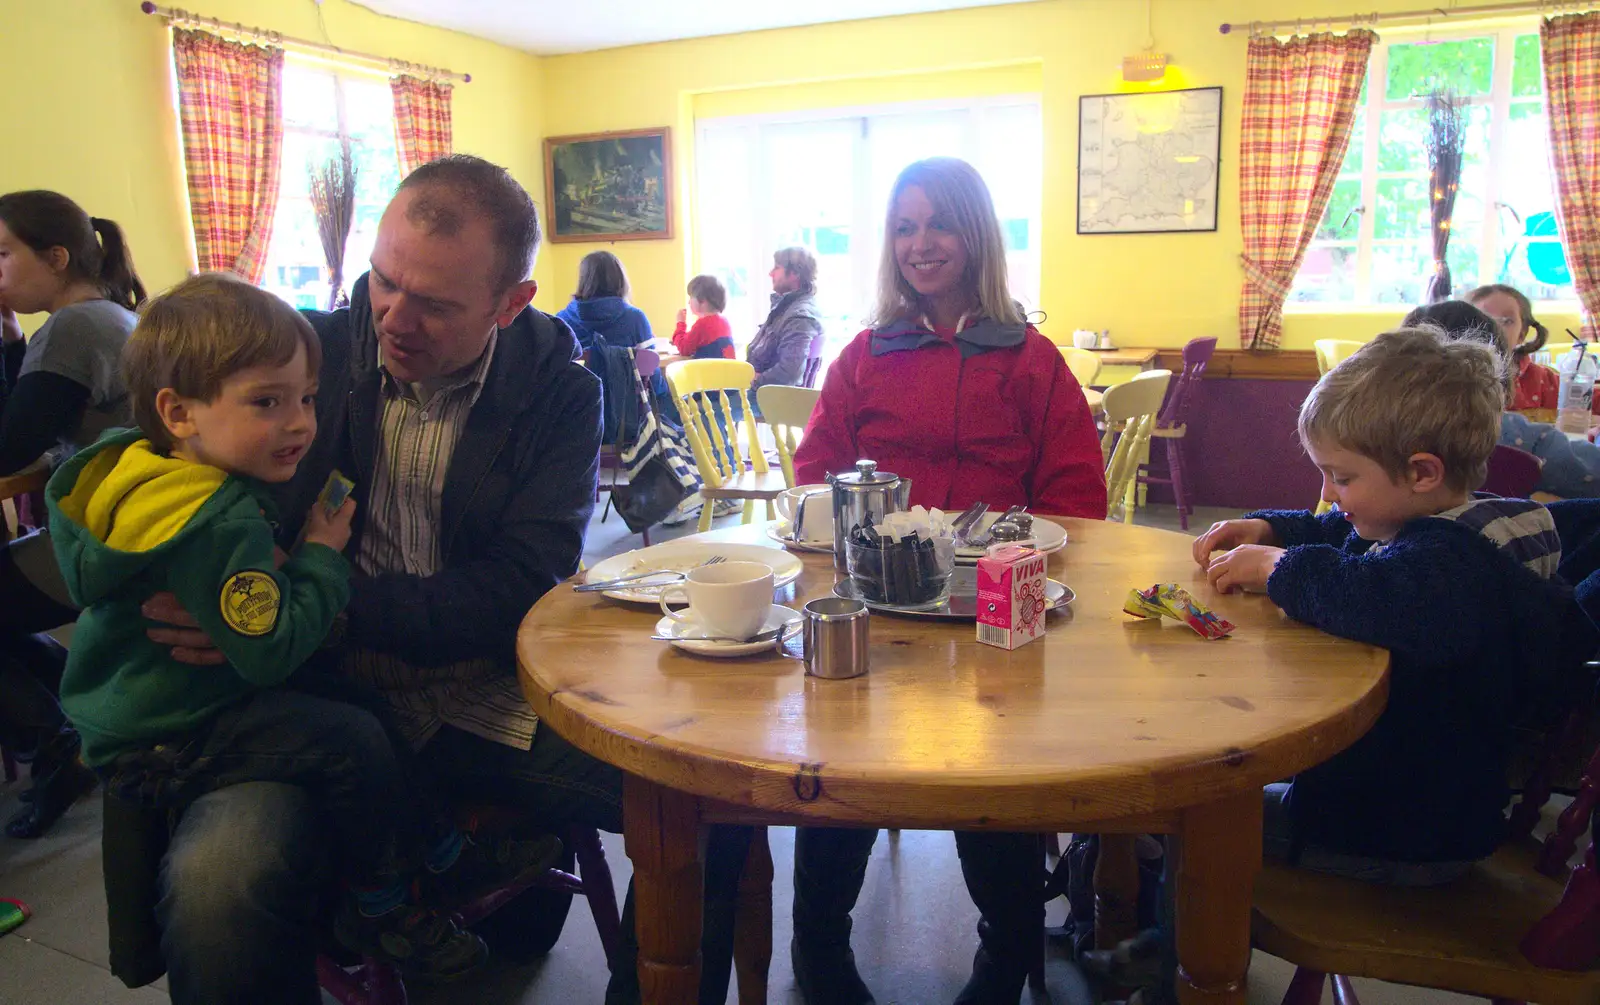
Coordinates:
[906,560]
[1173,601]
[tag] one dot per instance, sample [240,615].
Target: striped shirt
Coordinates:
[1522,529]
[402,535]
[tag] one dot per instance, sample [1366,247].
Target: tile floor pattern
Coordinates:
[913,931]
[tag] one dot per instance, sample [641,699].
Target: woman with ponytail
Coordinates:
[59,390]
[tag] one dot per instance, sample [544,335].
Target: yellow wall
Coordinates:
[90,109]
[1148,289]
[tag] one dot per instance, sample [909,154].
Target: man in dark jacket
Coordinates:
[472,434]
[783,343]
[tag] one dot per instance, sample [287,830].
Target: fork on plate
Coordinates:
[609,584]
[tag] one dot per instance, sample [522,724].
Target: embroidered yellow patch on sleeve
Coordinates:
[250,602]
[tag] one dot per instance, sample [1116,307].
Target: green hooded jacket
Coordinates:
[127,523]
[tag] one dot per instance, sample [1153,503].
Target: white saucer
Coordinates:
[683,635]
[782,532]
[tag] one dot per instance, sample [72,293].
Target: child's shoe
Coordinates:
[485,864]
[422,943]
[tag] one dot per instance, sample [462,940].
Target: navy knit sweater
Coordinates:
[1473,635]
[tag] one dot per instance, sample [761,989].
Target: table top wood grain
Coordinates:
[1106,717]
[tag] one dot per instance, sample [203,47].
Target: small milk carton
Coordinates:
[1011,602]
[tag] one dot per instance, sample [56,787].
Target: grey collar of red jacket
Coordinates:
[985,336]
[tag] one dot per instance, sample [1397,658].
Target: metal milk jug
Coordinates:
[861,493]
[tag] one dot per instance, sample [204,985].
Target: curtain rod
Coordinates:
[1372,19]
[179,16]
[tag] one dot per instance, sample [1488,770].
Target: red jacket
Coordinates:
[1008,424]
[1536,386]
[710,337]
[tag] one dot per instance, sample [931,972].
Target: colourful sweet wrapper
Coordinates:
[335,491]
[1173,601]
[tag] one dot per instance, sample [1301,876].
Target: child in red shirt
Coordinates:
[711,337]
[1535,386]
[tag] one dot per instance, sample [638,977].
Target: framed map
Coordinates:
[1148,163]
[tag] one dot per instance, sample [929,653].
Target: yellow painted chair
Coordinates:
[1333,351]
[726,450]
[1330,353]
[1132,407]
[1084,364]
[787,410]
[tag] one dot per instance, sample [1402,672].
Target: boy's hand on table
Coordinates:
[1247,567]
[1225,535]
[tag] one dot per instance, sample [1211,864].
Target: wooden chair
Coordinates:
[1507,931]
[377,983]
[813,362]
[1085,365]
[1132,407]
[709,391]
[787,410]
[1512,473]
[647,361]
[1333,351]
[1172,425]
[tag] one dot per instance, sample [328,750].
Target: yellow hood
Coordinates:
[133,499]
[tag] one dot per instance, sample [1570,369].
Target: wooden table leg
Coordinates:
[1219,855]
[661,830]
[1116,890]
[752,934]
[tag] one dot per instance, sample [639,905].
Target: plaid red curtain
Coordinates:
[230,103]
[421,121]
[1299,103]
[1572,106]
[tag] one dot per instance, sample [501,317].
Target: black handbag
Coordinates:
[661,471]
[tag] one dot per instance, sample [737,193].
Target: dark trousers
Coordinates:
[30,663]
[337,752]
[1004,875]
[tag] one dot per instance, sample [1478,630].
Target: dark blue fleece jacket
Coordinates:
[1474,637]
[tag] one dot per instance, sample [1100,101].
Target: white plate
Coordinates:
[781,530]
[1048,537]
[681,556]
[683,635]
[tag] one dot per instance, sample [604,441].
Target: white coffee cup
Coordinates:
[1085,339]
[729,599]
[818,502]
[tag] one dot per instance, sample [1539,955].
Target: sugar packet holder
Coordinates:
[1173,601]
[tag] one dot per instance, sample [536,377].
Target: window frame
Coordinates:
[863,253]
[1499,102]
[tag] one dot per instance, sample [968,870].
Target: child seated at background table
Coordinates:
[1462,591]
[222,380]
[710,337]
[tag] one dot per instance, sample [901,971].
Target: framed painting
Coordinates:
[609,186]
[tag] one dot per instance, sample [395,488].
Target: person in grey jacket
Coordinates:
[782,345]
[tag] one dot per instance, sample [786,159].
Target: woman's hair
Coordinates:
[801,263]
[601,274]
[1524,306]
[1462,322]
[709,291]
[961,198]
[196,335]
[96,250]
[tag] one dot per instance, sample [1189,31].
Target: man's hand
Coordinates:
[1247,567]
[1226,534]
[10,327]
[331,529]
[178,628]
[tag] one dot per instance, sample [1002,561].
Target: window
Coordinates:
[823,182]
[1373,246]
[322,108]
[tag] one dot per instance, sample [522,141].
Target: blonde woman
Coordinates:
[951,386]
[954,389]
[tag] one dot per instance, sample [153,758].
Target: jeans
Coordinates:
[337,752]
[1004,875]
[1278,845]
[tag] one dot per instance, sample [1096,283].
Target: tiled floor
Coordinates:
[913,938]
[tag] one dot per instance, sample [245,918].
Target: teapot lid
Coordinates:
[866,475]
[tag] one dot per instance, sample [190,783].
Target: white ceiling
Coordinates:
[547,27]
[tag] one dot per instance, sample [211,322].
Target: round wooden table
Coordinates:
[1107,724]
